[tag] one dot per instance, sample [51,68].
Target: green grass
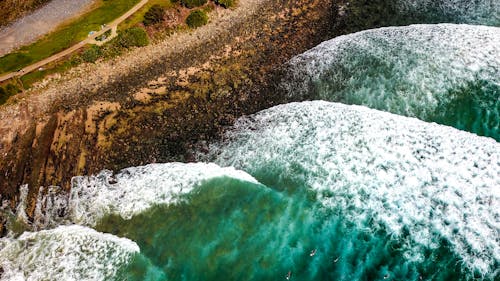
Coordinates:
[138,16]
[29,79]
[66,36]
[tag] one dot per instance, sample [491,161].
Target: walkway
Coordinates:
[89,40]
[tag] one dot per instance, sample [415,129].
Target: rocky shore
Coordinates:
[154,103]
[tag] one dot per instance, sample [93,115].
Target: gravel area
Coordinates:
[28,29]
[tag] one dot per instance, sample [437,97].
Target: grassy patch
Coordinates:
[132,37]
[66,36]
[129,35]
[8,91]
[55,67]
[138,16]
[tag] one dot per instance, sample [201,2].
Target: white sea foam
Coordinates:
[65,253]
[405,70]
[138,188]
[404,174]
[485,12]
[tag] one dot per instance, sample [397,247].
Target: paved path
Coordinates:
[91,39]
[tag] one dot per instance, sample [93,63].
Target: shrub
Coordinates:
[225,3]
[132,37]
[193,3]
[3,95]
[8,91]
[91,54]
[197,18]
[154,15]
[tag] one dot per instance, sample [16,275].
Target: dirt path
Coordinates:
[28,29]
[91,39]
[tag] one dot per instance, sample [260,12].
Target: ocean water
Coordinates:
[445,73]
[480,12]
[312,190]
[393,173]
[376,13]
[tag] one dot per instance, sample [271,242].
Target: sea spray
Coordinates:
[136,189]
[424,183]
[126,193]
[362,14]
[64,253]
[443,73]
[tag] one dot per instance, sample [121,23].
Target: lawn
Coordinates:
[67,35]
[139,15]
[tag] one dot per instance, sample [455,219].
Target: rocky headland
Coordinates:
[154,103]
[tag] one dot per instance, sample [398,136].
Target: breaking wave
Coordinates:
[449,74]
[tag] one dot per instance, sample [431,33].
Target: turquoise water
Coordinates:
[365,14]
[232,230]
[374,196]
[449,74]
[474,107]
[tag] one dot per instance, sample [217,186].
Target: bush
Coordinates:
[111,49]
[225,3]
[132,37]
[91,54]
[193,3]
[197,18]
[153,15]
[8,91]
[3,95]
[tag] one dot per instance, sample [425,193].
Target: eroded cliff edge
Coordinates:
[154,103]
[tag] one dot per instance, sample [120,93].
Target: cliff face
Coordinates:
[157,110]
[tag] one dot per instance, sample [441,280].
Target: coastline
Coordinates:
[153,104]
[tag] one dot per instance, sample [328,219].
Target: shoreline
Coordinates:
[153,104]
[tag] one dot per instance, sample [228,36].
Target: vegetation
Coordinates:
[57,67]
[197,18]
[132,37]
[11,10]
[193,3]
[66,36]
[91,54]
[225,3]
[154,15]
[138,16]
[8,91]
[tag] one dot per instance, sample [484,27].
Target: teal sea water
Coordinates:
[444,73]
[330,191]
[264,234]
[392,172]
